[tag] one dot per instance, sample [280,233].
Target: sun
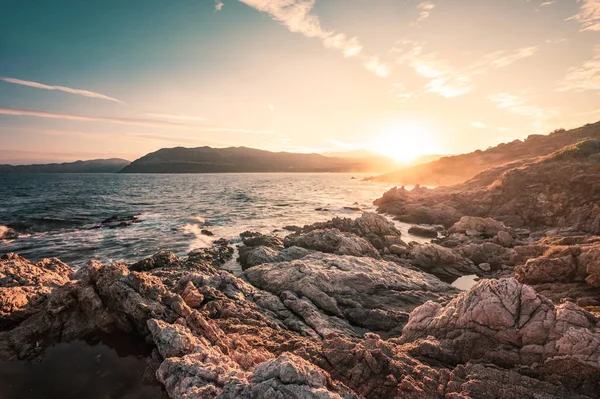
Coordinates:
[405,143]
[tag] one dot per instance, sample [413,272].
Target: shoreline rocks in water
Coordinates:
[6,233]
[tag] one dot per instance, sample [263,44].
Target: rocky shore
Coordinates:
[347,308]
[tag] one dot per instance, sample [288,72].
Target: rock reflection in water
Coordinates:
[99,367]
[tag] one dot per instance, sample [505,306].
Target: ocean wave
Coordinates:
[200,240]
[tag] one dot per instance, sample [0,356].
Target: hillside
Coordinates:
[112,165]
[556,190]
[457,169]
[243,160]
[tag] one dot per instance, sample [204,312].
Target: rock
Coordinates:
[298,341]
[206,233]
[486,267]
[370,293]
[192,297]
[292,228]
[217,255]
[441,261]
[263,240]
[160,259]
[399,250]
[488,252]
[25,286]
[120,221]
[505,239]
[376,229]
[250,234]
[332,241]
[422,231]
[6,233]
[557,190]
[506,323]
[559,264]
[259,255]
[487,227]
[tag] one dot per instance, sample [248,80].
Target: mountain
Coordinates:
[459,168]
[112,165]
[243,159]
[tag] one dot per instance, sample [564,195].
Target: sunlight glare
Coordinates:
[404,143]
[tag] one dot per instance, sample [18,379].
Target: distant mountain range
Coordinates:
[459,168]
[112,165]
[243,159]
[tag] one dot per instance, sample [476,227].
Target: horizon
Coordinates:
[403,79]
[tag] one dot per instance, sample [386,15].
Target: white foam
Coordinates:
[200,240]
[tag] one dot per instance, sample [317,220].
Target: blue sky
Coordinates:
[83,79]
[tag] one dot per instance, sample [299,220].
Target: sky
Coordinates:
[86,79]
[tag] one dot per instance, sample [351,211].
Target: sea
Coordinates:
[80,217]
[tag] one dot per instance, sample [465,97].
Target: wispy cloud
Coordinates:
[547,3]
[378,68]
[218,5]
[296,16]
[425,9]
[446,80]
[125,121]
[341,144]
[519,104]
[70,90]
[400,91]
[177,117]
[479,125]
[501,58]
[584,77]
[589,15]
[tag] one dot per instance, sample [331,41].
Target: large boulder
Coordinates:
[376,229]
[25,286]
[441,261]
[332,241]
[369,293]
[423,231]
[472,225]
[259,255]
[508,324]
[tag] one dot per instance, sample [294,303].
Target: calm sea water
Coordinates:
[60,215]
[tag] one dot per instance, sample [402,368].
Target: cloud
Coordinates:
[518,104]
[446,80]
[479,125]
[218,5]
[341,144]
[547,3]
[378,68]
[125,121]
[177,117]
[589,15]
[296,16]
[585,77]
[425,9]
[501,59]
[80,92]
[400,91]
